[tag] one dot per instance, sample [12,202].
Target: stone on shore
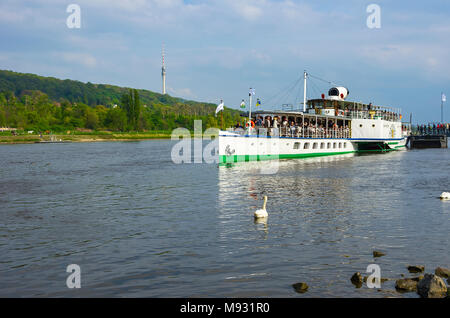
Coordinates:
[406,284]
[378,254]
[300,287]
[357,279]
[431,286]
[416,268]
[418,278]
[442,272]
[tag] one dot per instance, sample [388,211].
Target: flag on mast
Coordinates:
[443,97]
[258,102]
[242,104]
[219,107]
[251,92]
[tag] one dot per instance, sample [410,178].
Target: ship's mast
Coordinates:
[250,93]
[304,90]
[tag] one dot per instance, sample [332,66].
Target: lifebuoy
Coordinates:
[253,124]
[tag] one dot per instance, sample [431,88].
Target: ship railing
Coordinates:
[375,114]
[313,132]
[295,132]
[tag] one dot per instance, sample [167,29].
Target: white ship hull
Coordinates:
[367,135]
[248,148]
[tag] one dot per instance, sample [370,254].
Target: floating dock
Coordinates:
[427,141]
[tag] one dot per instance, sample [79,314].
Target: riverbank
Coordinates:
[85,137]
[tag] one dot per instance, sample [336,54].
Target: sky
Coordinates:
[217,49]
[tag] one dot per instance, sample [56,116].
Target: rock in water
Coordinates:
[378,254]
[442,272]
[357,279]
[431,286]
[382,279]
[416,268]
[300,287]
[406,284]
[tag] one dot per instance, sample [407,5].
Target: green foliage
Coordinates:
[132,106]
[32,102]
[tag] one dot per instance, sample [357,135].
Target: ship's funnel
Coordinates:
[338,93]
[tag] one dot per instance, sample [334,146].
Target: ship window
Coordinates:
[315,145]
[334,145]
[322,145]
[306,146]
[296,145]
[329,145]
[340,145]
[373,125]
[360,125]
[345,145]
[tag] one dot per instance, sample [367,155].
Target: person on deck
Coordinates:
[259,122]
[267,122]
[275,122]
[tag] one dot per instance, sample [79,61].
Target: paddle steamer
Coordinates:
[330,125]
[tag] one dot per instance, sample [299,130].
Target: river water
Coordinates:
[139,225]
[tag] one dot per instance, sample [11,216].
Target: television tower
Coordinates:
[163,72]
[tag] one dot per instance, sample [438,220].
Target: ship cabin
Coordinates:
[322,118]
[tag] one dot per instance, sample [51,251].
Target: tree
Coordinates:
[132,106]
[91,119]
[116,119]
[137,110]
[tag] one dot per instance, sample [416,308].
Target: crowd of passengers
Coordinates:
[309,128]
[433,129]
[369,111]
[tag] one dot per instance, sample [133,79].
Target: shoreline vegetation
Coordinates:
[32,105]
[95,136]
[84,137]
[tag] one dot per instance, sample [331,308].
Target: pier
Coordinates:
[428,141]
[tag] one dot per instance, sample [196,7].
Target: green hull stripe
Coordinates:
[243,158]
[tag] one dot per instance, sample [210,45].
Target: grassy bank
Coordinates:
[86,137]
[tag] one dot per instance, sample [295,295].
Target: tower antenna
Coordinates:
[163,72]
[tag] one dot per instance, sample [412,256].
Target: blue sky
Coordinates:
[219,48]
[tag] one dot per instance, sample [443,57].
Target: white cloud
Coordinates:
[248,11]
[83,59]
[427,58]
[181,92]
[102,41]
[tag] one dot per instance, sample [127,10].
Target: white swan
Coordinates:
[445,196]
[262,213]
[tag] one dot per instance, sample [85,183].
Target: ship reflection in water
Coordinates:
[291,189]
